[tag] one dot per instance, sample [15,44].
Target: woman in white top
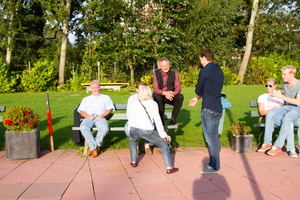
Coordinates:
[140,125]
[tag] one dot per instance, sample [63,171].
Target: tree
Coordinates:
[247,53]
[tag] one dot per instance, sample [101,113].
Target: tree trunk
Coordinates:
[8,49]
[243,67]
[64,42]
[131,75]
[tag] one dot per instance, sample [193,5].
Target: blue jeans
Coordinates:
[283,116]
[154,138]
[85,128]
[210,123]
[128,135]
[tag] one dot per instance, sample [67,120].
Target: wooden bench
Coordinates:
[261,120]
[122,117]
[2,109]
[114,86]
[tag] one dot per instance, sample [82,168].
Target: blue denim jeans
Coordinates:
[154,138]
[128,135]
[210,123]
[85,128]
[283,116]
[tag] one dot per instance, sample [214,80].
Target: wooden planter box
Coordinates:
[242,143]
[22,145]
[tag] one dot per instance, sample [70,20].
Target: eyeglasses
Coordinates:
[269,86]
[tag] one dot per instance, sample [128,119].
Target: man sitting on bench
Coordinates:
[94,109]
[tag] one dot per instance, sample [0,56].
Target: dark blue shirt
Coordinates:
[210,84]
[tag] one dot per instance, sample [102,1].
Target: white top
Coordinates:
[131,99]
[96,105]
[139,119]
[269,101]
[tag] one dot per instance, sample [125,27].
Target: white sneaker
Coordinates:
[293,153]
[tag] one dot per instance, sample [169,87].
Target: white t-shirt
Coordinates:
[269,101]
[96,105]
[139,119]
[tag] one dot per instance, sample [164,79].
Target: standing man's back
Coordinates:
[209,87]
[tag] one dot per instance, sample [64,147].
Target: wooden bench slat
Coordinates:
[122,128]
[255,113]
[253,104]
[1,118]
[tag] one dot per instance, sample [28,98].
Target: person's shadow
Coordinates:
[203,190]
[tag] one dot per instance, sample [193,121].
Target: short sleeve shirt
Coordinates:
[269,101]
[96,105]
[291,92]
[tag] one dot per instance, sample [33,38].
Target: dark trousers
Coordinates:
[162,100]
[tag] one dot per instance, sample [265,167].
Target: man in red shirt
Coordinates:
[166,86]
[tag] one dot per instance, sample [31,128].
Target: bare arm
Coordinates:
[295,101]
[104,114]
[194,101]
[85,115]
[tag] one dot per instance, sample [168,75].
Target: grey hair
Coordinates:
[145,93]
[94,82]
[163,59]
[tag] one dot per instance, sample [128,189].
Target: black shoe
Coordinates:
[173,122]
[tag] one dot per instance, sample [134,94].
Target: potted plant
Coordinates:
[22,137]
[241,140]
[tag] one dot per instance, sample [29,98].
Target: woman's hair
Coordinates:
[145,93]
[272,80]
[140,84]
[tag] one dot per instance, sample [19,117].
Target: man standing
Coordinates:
[209,87]
[288,113]
[166,86]
[94,109]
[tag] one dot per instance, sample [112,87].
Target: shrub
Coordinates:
[20,118]
[188,77]
[230,78]
[42,77]
[263,68]
[8,82]
[148,78]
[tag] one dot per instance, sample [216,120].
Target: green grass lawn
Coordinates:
[189,133]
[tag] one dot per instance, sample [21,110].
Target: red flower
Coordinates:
[22,120]
[7,122]
[37,115]
[36,121]
[12,124]
[28,116]
[29,124]
[25,111]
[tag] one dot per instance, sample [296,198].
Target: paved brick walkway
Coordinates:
[64,174]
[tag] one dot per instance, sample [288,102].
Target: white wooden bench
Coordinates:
[123,117]
[114,86]
[2,109]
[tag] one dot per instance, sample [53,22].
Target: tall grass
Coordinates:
[189,133]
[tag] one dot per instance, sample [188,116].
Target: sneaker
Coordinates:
[207,164]
[173,122]
[275,150]
[147,149]
[209,170]
[264,147]
[293,153]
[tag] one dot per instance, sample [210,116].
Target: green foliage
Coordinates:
[239,129]
[42,77]
[73,84]
[263,68]
[230,78]
[20,118]
[188,77]
[148,78]
[8,82]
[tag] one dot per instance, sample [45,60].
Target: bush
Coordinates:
[188,77]
[263,68]
[8,82]
[42,77]
[230,78]
[148,78]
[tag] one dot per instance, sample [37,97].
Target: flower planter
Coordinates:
[22,145]
[242,143]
